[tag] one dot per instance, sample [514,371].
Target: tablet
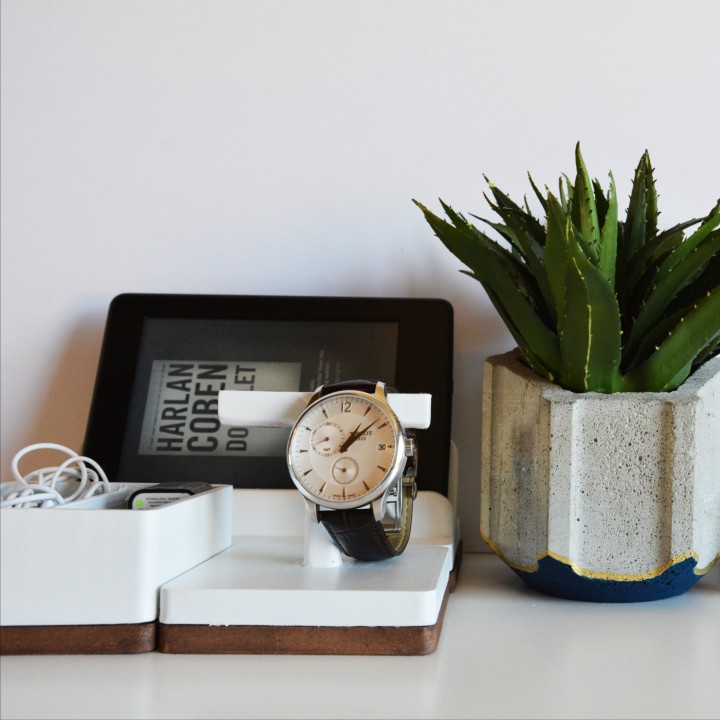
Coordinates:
[164,358]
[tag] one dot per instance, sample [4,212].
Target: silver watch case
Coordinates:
[386,498]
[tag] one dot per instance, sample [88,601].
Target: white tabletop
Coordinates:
[504,652]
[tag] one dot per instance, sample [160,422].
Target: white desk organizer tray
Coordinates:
[284,588]
[90,565]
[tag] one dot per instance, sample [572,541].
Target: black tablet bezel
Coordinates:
[424,365]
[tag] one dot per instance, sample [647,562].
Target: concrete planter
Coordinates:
[601,497]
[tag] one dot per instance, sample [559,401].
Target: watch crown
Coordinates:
[409,447]
[411,454]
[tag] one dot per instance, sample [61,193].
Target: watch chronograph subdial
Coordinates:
[344,470]
[327,438]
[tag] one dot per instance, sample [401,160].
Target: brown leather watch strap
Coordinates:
[359,535]
[367,386]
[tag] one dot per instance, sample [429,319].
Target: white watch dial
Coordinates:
[343,447]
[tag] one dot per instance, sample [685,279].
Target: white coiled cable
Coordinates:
[39,488]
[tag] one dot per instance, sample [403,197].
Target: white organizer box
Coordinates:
[104,566]
[271,575]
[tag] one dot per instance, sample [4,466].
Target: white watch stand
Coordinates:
[291,592]
[265,408]
[284,588]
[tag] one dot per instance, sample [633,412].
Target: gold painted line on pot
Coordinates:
[707,568]
[598,575]
[506,560]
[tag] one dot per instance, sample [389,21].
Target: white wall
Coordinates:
[274,147]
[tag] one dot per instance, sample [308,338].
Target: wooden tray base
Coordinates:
[301,640]
[308,640]
[78,639]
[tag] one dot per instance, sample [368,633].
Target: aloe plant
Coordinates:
[596,303]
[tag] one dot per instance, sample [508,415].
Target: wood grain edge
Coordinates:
[302,640]
[122,639]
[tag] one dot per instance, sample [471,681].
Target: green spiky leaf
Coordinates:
[509,281]
[584,210]
[607,252]
[595,301]
[696,330]
[669,284]
[590,329]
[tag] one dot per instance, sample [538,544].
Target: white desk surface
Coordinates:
[504,652]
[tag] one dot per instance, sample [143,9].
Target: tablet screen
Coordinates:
[166,357]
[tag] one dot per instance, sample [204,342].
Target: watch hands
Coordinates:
[354,435]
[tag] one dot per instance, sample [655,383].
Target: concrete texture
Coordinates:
[618,486]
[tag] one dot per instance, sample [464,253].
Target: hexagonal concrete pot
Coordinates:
[601,497]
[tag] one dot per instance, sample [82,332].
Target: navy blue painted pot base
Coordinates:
[557,578]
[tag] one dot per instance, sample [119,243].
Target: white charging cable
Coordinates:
[40,487]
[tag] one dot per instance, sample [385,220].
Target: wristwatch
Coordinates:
[356,465]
